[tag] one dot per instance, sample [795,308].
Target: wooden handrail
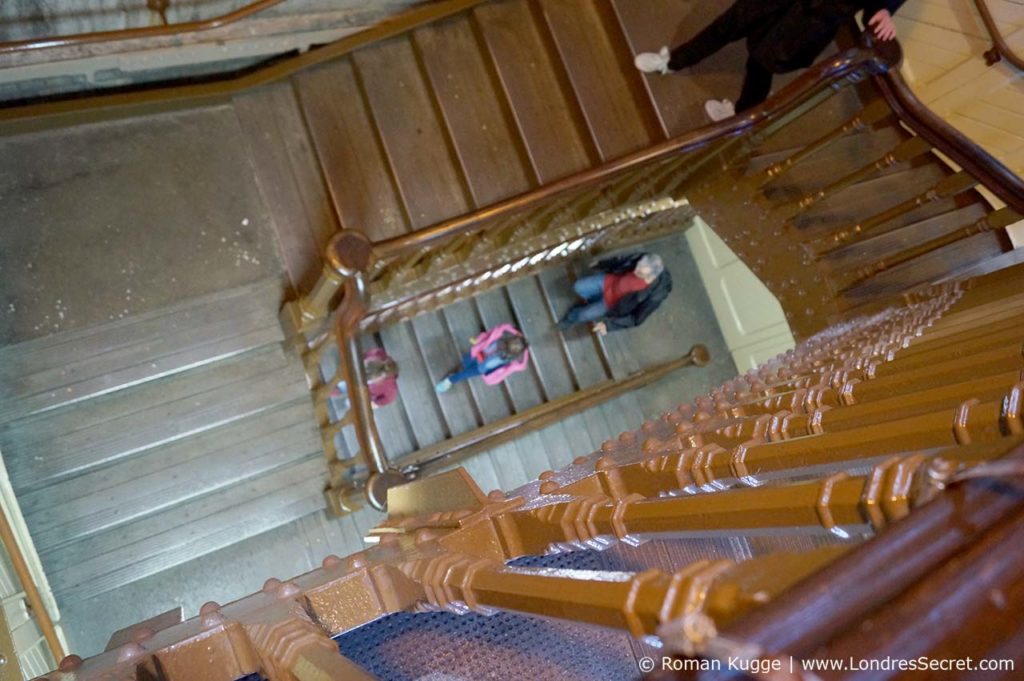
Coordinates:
[351,310]
[28,585]
[463,446]
[354,304]
[144,32]
[977,162]
[1000,48]
[790,97]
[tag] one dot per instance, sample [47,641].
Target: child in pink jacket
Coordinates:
[381,380]
[495,355]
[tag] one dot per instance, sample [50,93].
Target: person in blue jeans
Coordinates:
[494,356]
[621,295]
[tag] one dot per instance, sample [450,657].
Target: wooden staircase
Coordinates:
[456,115]
[836,217]
[505,122]
[142,444]
[168,436]
[430,345]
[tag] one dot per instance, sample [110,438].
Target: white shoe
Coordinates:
[653,62]
[719,109]
[443,386]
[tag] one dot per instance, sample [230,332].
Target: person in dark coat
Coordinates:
[782,36]
[625,293]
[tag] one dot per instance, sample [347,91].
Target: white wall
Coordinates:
[750,317]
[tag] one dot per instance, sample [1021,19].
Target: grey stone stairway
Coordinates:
[148,442]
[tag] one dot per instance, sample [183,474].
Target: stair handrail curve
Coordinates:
[355,268]
[868,58]
[1000,48]
[941,135]
[816,78]
[853,64]
[77,39]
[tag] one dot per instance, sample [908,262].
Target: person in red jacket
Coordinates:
[627,289]
[782,36]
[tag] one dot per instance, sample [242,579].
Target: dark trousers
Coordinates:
[744,19]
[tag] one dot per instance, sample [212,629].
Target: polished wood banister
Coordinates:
[788,98]
[1000,48]
[977,162]
[463,446]
[350,312]
[77,39]
[355,265]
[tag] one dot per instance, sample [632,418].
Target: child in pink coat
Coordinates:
[495,355]
[381,380]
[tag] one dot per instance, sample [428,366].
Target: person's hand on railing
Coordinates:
[885,27]
[601,329]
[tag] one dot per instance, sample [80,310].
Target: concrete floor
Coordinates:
[104,221]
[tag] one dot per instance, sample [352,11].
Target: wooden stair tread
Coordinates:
[289,178]
[647,26]
[547,116]
[902,238]
[353,160]
[850,205]
[829,164]
[430,186]
[124,555]
[963,254]
[415,385]
[208,463]
[198,319]
[611,94]
[441,354]
[491,154]
[108,429]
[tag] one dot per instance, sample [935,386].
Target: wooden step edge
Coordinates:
[246,292]
[107,452]
[23,406]
[110,518]
[154,564]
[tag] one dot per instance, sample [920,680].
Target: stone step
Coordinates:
[47,448]
[170,475]
[48,373]
[185,533]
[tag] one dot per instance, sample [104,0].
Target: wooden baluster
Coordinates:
[905,151]
[736,153]
[946,188]
[996,220]
[348,251]
[868,116]
[711,592]
[314,354]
